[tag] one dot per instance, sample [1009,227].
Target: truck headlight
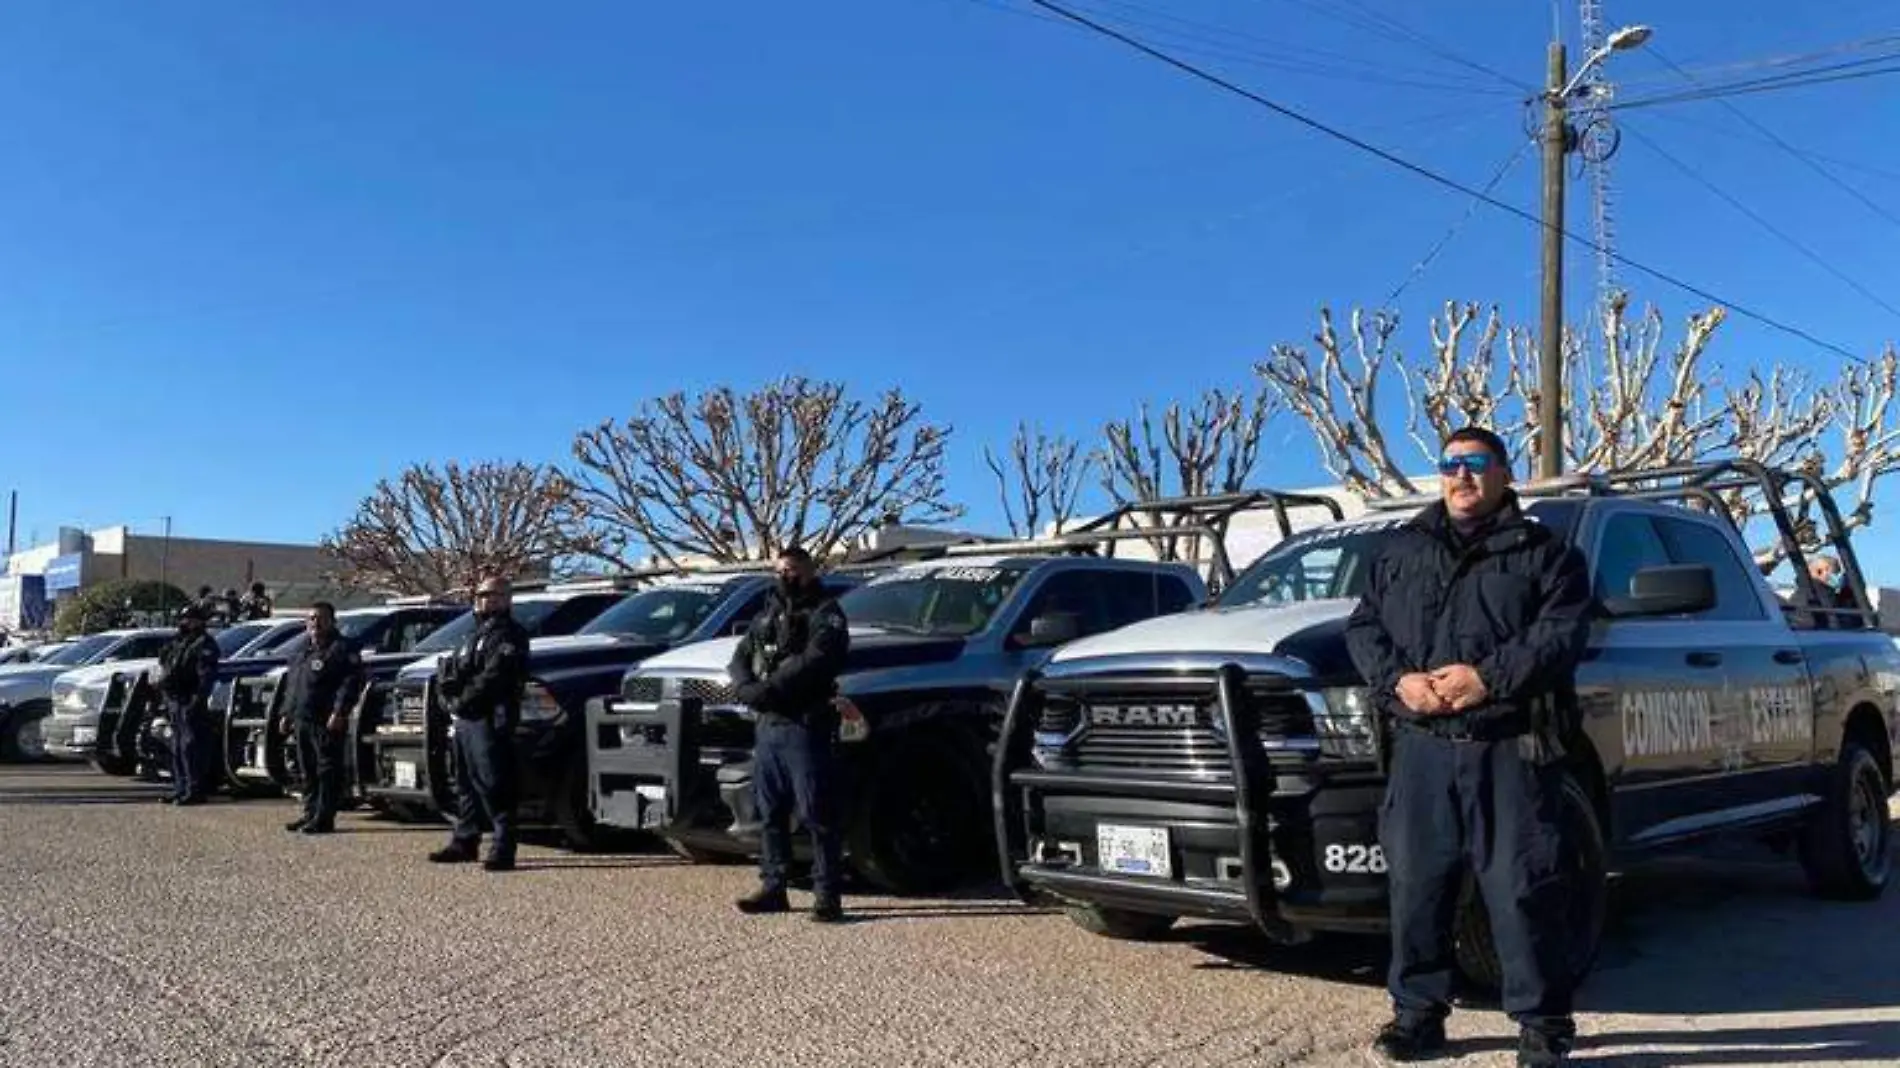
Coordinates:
[538,704]
[1345,726]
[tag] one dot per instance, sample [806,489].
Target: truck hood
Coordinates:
[1313,631]
[99,674]
[556,653]
[871,650]
[29,680]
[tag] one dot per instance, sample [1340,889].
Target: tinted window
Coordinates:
[1630,544]
[141,648]
[1690,542]
[1077,593]
[1134,596]
[572,614]
[662,614]
[236,637]
[936,599]
[1312,566]
[80,652]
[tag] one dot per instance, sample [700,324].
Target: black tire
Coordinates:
[1847,846]
[408,811]
[22,740]
[1586,854]
[1119,924]
[922,821]
[116,766]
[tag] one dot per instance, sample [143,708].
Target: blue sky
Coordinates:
[255,256]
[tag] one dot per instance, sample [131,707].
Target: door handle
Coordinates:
[1788,656]
[1704,659]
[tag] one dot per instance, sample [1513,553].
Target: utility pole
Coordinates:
[1550,379]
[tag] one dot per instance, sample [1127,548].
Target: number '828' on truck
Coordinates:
[1228,763]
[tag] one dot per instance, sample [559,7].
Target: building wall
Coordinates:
[292,573]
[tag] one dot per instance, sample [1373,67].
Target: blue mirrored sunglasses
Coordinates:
[1475,462]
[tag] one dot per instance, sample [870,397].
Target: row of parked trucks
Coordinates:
[1139,740]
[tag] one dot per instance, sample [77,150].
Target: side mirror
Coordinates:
[1683,589]
[1055,628]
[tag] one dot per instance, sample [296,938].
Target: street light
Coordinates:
[1558,140]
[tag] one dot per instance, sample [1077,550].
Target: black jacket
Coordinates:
[323,680]
[187,669]
[254,607]
[486,676]
[788,662]
[1515,604]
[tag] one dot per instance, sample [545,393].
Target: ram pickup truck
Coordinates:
[413,770]
[268,757]
[80,695]
[26,690]
[1227,764]
[935,647]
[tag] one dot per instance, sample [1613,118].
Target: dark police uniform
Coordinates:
[786,668]
[187,670]
[1479,787]
[482,690]
[254,606]
[324,679]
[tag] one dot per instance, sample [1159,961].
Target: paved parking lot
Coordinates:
[132,933]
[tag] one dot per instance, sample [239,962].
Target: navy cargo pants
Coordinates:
[320,758]
[1452,803]
[794,771]
[192,740]
[485,784]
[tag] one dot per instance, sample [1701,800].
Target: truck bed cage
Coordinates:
[1164,523]
[1705,483]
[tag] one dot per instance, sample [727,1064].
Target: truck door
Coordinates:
[1661,692]
[1770,746]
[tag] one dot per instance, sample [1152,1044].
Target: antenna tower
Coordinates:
[1597,141]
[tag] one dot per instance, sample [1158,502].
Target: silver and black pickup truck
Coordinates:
[935,647]
[1226,764]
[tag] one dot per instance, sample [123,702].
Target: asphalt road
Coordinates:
[132,933]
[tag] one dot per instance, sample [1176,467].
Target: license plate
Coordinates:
[85,735]
[1127,850]
[405,775]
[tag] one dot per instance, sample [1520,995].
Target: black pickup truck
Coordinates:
[266,757]
[1226,764]
[413,763]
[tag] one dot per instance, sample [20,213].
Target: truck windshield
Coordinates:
[236,637]
[947,600]
[1314,566]
[350,625]
[662,614]
[80,652]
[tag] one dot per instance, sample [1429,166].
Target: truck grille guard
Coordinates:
[1244,780]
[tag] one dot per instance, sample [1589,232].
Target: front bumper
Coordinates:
[1268,835]
[658,766]
[71,735]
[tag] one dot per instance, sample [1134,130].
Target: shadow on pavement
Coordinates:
[1877,1042]
[600,863]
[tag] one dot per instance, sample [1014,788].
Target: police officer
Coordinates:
[786,669]
[320,684]
[482,684]
[256,604]
[1469,632]
[187,669]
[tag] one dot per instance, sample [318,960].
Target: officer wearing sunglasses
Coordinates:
[1469,633]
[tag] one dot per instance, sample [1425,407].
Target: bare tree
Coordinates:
[1632,407]
[730,477]
[1210,448]
[433,531]
[1041,479]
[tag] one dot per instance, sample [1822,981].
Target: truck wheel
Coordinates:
[118,767]
[24,739]
[923,813]
[1119,924]
[1846,848]
[1586,871]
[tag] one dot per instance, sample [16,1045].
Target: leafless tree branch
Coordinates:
[1040,480]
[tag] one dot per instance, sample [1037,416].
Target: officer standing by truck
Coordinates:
[319,687]
[256,604]
[187,669]
[481,685]
[1469,633]
[786,669]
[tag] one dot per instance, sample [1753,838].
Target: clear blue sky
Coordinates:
[255,256]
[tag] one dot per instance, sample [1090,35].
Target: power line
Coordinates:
[1471,207]
[1797,80]
[1806,160]
[1785,60]
[1430,175]
[1792,242]
[1392,29]
[1739,135]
